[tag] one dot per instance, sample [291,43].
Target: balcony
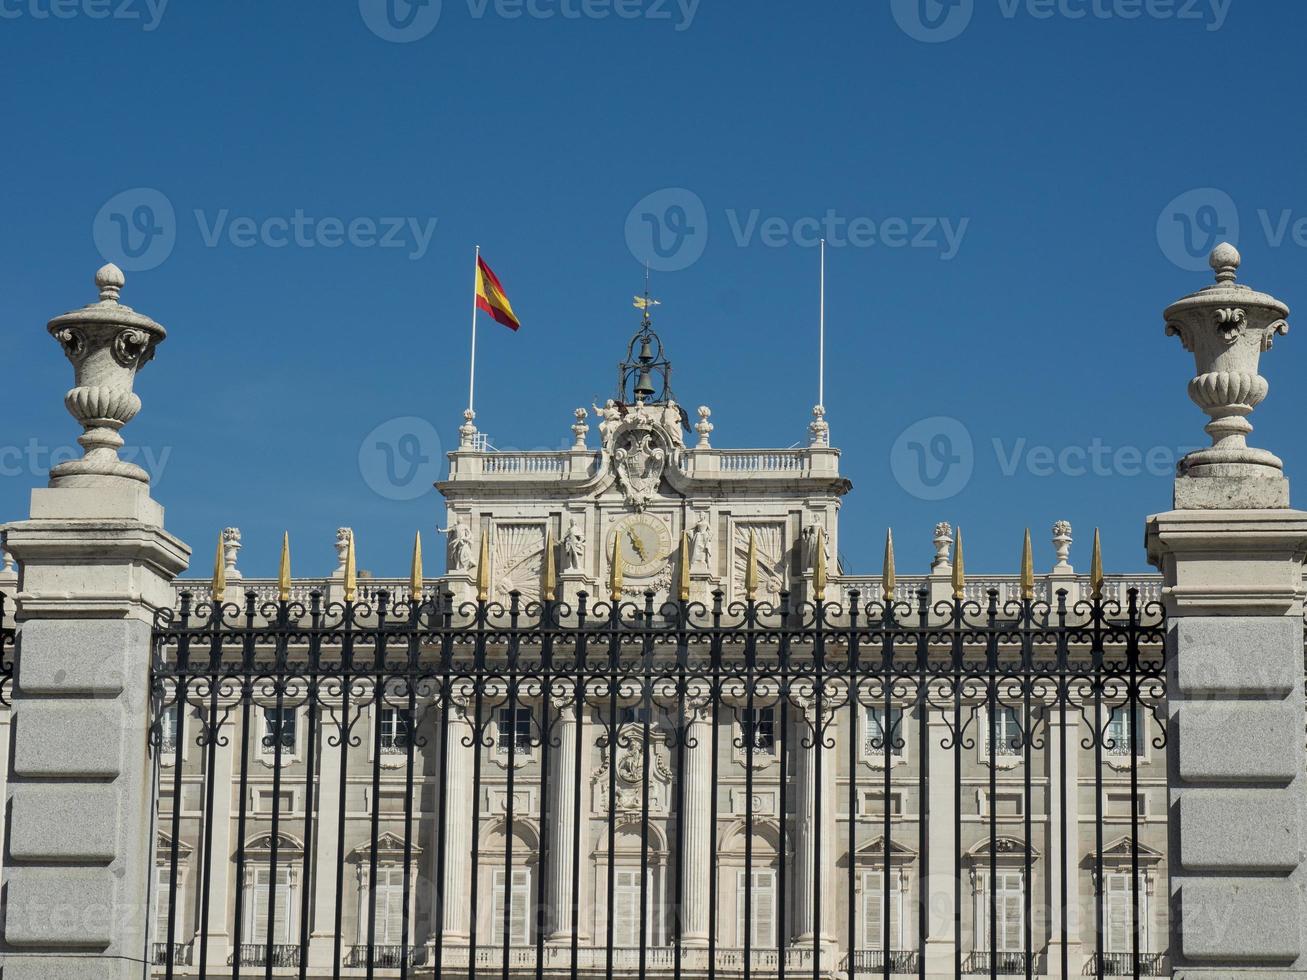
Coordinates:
[388,957]
[1123,965]
[181,954]
[728,960]
[257,954]
[1006,964]
[873,961]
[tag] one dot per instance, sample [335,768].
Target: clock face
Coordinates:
[645,543]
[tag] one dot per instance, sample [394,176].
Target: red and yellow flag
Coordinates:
[491,297]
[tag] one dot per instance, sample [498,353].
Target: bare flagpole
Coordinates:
[472,371]
[821,334]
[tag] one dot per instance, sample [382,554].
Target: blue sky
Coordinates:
[1013,189]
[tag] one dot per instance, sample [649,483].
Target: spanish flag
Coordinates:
[491,296]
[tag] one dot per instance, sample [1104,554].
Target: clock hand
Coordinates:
[637,544]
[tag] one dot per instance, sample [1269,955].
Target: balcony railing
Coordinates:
[1008,964]
[1123,964]
[181,954]
[873,961]
[627,958]
[256,954]
[388,957]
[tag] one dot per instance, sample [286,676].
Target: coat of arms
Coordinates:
[638,462]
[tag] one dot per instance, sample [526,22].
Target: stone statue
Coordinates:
[701,544]
[809,537]
[573,547]
[610,416]
[231,546]
[460,545]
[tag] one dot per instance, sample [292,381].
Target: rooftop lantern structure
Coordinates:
[645,376]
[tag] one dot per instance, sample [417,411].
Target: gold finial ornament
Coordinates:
[351,570]
[483,569]
[959,573]
[615,571]
[1027,570]
[684,573]
[283,573]
[415,573]
[1096,569]
[751,569]
[819,567]
[887,570]
[549,574]
[219,573]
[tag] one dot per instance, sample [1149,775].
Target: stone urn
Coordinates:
[107,344]
[1227,326]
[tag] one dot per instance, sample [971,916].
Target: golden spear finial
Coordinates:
[548,572]
[415,574]
[684,572]
[887,572]
[483,569]
[351,570]
[1027,570]
[1096,569]
[615,571]
[283,573]
[219,573]
[959,573]
[819,567]
[751,568]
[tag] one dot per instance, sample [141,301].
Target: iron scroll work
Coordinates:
[322,707]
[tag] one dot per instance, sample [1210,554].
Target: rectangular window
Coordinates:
[1011,909]
[874,739]
[873,919]
[279,728]
[389,916]
[626,908]
[269,907]
[758,727]
[1118,916]
[394,731]
[1119,738]
[168,730]
[514,729]
[1006,733]
[519,898]
[762,910]
[161,890]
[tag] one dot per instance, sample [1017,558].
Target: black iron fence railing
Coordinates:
[7,636]
[759,790]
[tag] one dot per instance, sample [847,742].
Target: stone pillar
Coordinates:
[456,926]
[95,565]
[222,865]
[697,824]
[326,843]
[562,801]
[1064,863]
[811,858]
[940,882]
[1231,555]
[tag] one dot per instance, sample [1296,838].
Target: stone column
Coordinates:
[1063,863]
[95,565]
[696,820]
[326,849]
[813,858]
[458,802]
[562,821]
[1231,555]
[222,864]
[940,882]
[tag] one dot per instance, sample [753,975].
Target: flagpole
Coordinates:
[821,333]
[472,371]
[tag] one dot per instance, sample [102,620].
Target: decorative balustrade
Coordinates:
[762,461]
[528,463]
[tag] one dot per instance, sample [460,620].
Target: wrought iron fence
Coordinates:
[754,789]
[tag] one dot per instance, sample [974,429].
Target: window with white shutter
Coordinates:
[1118,915]
[513,728]
[394,731]
[762,910]
[161,904]
[626,907]
[270,907]
[390,908]
[873,921]
[1011,914]
[1006,733]
[519,898]
[758,729]
[1118,741]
